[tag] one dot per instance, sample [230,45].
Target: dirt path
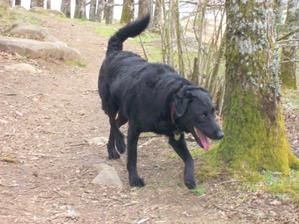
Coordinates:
[47,167]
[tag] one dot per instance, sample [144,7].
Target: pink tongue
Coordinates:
[203,139]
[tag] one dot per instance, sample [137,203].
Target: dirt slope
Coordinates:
[47,167]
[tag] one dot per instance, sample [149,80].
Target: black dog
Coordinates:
[152,98]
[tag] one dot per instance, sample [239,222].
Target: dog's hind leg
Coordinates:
[119,137]
[134,179]
[181,149]
[112,153]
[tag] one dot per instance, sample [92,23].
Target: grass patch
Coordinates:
[199,190]
[280,184]
[75,63]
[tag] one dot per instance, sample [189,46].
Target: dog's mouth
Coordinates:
[201,139]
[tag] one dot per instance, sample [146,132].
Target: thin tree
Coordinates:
[127,14]
[289,50]
[255,135]
[100,8]
[37,3]
[48,4]
[145,7]
[92,10]
[66,7]
[108,11]
[80,9]
[157,15]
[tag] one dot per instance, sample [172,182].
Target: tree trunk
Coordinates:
[253,120]
[80,9]
[127,14]
[37,3]
[157,15]
[4,3]
[144,8]
[92,10]
[18,2]
[99,13]
[48,4]
[176,18]
[66,7]
[108,11]
[288,55]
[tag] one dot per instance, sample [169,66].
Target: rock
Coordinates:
[21,67]
[38,49]
[99,141]
[72,213]
[107,176]
[30,32]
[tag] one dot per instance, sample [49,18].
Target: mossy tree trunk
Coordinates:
[255,135]
[288,54]
[127,14]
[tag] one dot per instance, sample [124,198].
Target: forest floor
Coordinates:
[46,165]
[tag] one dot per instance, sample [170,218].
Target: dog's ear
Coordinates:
[181,101]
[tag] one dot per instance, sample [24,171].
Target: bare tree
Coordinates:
[66,7]
[48,4]
[108,12]
[80,9]
[92,10]
[100,8]
[37,3]
[145,7]
[157,15]
[127,14]
[290,47]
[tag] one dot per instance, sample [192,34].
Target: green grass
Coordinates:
[199,190]
[75,63]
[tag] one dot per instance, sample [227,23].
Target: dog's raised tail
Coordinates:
[132,29]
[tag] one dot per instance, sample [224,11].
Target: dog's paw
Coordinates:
[121,146]
[136,182]
[190,184]
[113,155]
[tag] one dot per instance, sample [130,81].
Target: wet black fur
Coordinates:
[141,93]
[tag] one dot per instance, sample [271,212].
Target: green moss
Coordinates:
[254,141]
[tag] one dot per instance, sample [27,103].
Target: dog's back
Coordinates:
[118,62]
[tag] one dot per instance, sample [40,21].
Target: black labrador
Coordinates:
[152,97]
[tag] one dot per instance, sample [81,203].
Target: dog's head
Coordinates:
[194,112]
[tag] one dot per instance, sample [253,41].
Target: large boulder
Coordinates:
[29,31]
[39,49]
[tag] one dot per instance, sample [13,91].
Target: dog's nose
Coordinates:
[219,134]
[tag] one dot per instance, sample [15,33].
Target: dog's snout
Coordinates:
[219,134]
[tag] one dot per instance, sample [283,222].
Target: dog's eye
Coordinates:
[204,115]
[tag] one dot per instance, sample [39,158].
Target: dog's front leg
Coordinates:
[134,179]
[180,147]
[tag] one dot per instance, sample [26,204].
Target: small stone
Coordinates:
[275,202]
[99,141]
[107,176]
